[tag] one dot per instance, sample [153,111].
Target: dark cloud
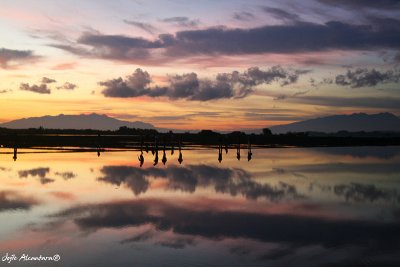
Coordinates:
[187,179]
[363,77]
[357,4]
[117,41]
[183,21]
[134,85]
[281,14]
[134,178]
[8,56]
[366,193]
[47,80]
[293,38]
[296,37]
[67,86]
[141,25]
[66,175]
[40,89]
[189,86]
[44,180]
[114,46]
[38,172]
[243,16]
[12,200]
[4,91]
[294,230]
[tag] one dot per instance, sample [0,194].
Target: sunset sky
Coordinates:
[225,64]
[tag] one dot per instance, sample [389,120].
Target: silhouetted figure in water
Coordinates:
[238,151]
[164,158]
[15,146]
[226,147]
[249,153]
[220,153]
[180,158]
[172,143]
[98,145]
[15,153]
[156,158]
[141,159]
[155,151]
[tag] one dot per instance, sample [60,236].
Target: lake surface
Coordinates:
[285,207]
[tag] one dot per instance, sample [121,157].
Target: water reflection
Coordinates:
[15,153]
[290,207]
[187,179]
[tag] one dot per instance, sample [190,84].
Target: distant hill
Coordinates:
[353,123]
[90,121]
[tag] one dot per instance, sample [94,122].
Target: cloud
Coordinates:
[8,56]
[296,37]
[182,21]
[66,175]
[135,85]
[4,91]
[113,47]
[40,89]
[13,200]
[267,228]
[67,86]
[40,172]
[37,172]
[281,14]
[357,4]
[47,80]
[366,193]
[363,77]
[243,16]
[141,25]
[188,179]
[285,38]
[132,177]
[188,86]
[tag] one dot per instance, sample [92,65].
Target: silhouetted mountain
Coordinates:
[90,121]
[353,123]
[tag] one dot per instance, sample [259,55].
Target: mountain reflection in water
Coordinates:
[286,207]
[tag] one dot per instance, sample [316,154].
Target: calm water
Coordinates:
[286,207]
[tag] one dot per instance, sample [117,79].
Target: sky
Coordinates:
[224,65]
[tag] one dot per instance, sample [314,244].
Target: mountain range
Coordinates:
[353,123]
[83,121]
